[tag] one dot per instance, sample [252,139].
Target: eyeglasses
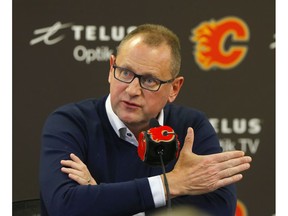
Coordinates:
[146,81]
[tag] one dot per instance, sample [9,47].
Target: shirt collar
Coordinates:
[120,128]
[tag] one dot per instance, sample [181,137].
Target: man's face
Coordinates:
[134,105]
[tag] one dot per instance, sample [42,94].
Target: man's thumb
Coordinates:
[189,140]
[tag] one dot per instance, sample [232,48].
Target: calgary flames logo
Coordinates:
[211,43]
[162,134]
[240,209]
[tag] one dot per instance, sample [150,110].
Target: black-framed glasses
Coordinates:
[147,82]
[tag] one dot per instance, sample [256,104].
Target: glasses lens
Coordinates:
[123,75]
[150,83]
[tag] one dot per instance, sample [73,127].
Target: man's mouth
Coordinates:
[131,104]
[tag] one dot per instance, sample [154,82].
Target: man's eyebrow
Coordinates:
[145,73]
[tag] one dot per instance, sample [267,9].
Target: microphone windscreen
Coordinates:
[153,123]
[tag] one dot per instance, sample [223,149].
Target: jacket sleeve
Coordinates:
[60,196]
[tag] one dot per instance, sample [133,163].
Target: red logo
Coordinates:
[161,134]
[212,51]
[241,209]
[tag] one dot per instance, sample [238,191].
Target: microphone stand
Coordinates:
[160,153]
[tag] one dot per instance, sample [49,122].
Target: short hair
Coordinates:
[155,35]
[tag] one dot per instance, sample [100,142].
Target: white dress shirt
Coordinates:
[124,133]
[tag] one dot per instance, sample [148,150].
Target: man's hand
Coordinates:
[77,171]
[196,174]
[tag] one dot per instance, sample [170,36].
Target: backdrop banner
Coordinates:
[61,53]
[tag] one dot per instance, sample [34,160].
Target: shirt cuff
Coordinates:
[157,191]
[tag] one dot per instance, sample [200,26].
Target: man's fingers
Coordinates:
[224,182]
[229,155]
[77,170]
[69,163]
[78,176]
[80,180]
[72,171]
[234,162]
[230,166]
[79,165]
[75,158]
[233,170]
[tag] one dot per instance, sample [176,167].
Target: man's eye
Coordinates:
[126,73]
[149,81]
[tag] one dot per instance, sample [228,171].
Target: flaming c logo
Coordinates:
[240,209]
[211,50]
[157,134]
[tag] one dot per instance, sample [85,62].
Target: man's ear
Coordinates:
[112,62]
[175,88]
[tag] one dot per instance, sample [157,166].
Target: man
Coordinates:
[105,174]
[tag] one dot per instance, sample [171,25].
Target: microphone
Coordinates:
[158,140]
[158,146]
[153,123]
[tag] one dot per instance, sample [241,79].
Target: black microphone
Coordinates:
[158,146]
[153,123]
[158,140]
